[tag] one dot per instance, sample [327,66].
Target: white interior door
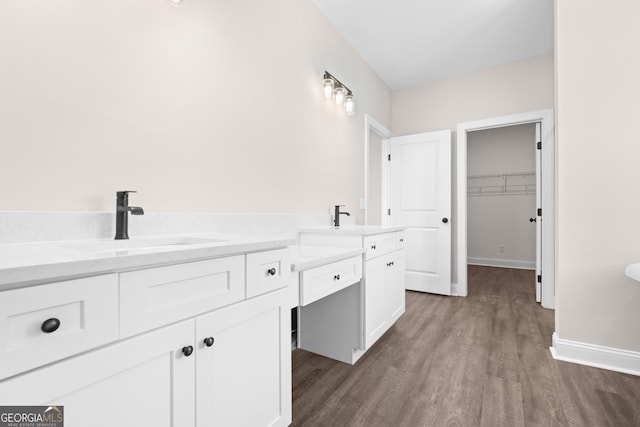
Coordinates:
[420,200]
[537,215]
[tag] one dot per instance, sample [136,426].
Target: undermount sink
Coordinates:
[143,243]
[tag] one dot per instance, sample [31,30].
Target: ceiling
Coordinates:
[409,42]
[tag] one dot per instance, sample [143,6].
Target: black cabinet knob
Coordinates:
[445,220]
[336,277]
[271,271]
[373,246]
[50,325]
[401,240]
[532,220]
[187,351]
[208,341]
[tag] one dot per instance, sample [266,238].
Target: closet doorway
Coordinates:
[544,215]
[501,197]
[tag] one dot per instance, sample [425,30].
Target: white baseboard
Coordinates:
[506,263]
[597,356]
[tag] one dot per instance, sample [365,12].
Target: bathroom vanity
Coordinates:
[345,323]
[182,332]
[188,330]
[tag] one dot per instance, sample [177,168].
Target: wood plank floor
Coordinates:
[482,360]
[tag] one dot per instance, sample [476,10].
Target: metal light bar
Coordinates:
[328,75]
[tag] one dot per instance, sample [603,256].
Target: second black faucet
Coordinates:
[336,215]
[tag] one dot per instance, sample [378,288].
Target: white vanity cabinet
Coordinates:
[200,346]
[244,377]
[384,294]
[382,289]
[143,381]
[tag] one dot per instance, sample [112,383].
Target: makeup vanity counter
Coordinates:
[131,322]
[344,324]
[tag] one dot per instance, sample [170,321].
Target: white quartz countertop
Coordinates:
[362,230]
[23,264]
[304,257]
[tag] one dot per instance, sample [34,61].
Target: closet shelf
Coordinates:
[507,184]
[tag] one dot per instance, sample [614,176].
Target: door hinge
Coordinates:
[539,278]
[388,211]
[539,145]
[389,157]
[539,211]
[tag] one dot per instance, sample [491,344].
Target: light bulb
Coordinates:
[349,105]
[340,93]
[328,88]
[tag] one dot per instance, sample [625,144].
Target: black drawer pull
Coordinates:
[271,271]
[50,325]
[373,246]
[208,341]
[401,240]
[187,351]
[336,277]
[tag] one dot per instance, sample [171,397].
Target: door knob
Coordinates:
[532,220]
[445,220]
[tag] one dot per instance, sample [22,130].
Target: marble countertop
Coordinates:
[362,230]
[304,257]
[25,264]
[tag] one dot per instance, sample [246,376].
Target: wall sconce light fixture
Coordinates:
[343,96]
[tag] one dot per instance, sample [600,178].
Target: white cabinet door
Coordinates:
[395,286]
[244,376]
[384,294]
[375,311]
[144,381]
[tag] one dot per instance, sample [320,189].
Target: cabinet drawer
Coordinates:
[162,295]
[317,283]
[86,311]
[380,244]
[267,271]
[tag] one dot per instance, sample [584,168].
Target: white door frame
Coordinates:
[373,125]
[546,117]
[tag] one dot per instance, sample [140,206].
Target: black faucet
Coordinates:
[336,216]
[122,214]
